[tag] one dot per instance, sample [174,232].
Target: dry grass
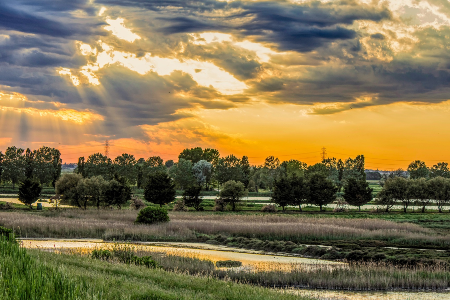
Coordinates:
[119,225]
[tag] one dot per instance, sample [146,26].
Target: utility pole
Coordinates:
[324,153]
[107,148]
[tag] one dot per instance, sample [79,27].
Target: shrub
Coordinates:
[151,215]
[228,264]
[270,208]
[219,204]
[6,206]
[145,261]
[180,206]
[137,203]
[101,254]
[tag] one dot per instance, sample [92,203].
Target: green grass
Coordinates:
[22,277]
[123,281]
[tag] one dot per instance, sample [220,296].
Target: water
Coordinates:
[251,260]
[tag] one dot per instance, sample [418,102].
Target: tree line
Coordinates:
[42,165]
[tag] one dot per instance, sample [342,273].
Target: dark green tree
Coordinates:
[232,193]
[125,166]
[182,174]
[229,168]
[14,165]
[419,190]
[282,192]
[99,165]
[169,163]
[159,189]
[191,197]
[66,186]
[439,188]
[322,191]
[117,192]
[29,192]
[152,165]
[294,167]
[418,169]
[395,189]
[300,190]
[193,154]
[440,170]
[357,192]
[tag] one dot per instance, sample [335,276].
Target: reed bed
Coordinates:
[119,225]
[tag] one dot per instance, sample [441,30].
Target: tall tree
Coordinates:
[125,166]
[293,166]
[229,168]
[357,192]
[98,165]
[29,191]
[14,165]
[211,155]
[395,189]
[282,192]
[439,188]
[300,190]
[419,190]
[440,170]
[232,193]
[193,154]
[67,187]
[182,174]
[117,192]
[245,167]
[202,171]
[418,169]
[322,190]
[191,197]
[1,166]
[159,189]
[354,168]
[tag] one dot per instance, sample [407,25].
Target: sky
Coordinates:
[250,77]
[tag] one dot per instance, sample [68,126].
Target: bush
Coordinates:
[145,261]
[180,206]
[5,231]
[219,204]
[6,206]
[137,203]
[270,208]
[150,215]
[101,254]
[228,264]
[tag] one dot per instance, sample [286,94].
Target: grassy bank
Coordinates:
[124,281]
[22,277]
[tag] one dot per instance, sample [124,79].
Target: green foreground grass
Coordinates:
[34,275]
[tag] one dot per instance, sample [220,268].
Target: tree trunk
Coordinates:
[423,209]
[300,207]
[234,206]
[359,207]
[404,209]
[387,208]
[320,207]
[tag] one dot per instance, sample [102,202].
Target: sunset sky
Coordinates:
[249,77]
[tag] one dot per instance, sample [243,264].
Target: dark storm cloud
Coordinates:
[289,26]
[20,20]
